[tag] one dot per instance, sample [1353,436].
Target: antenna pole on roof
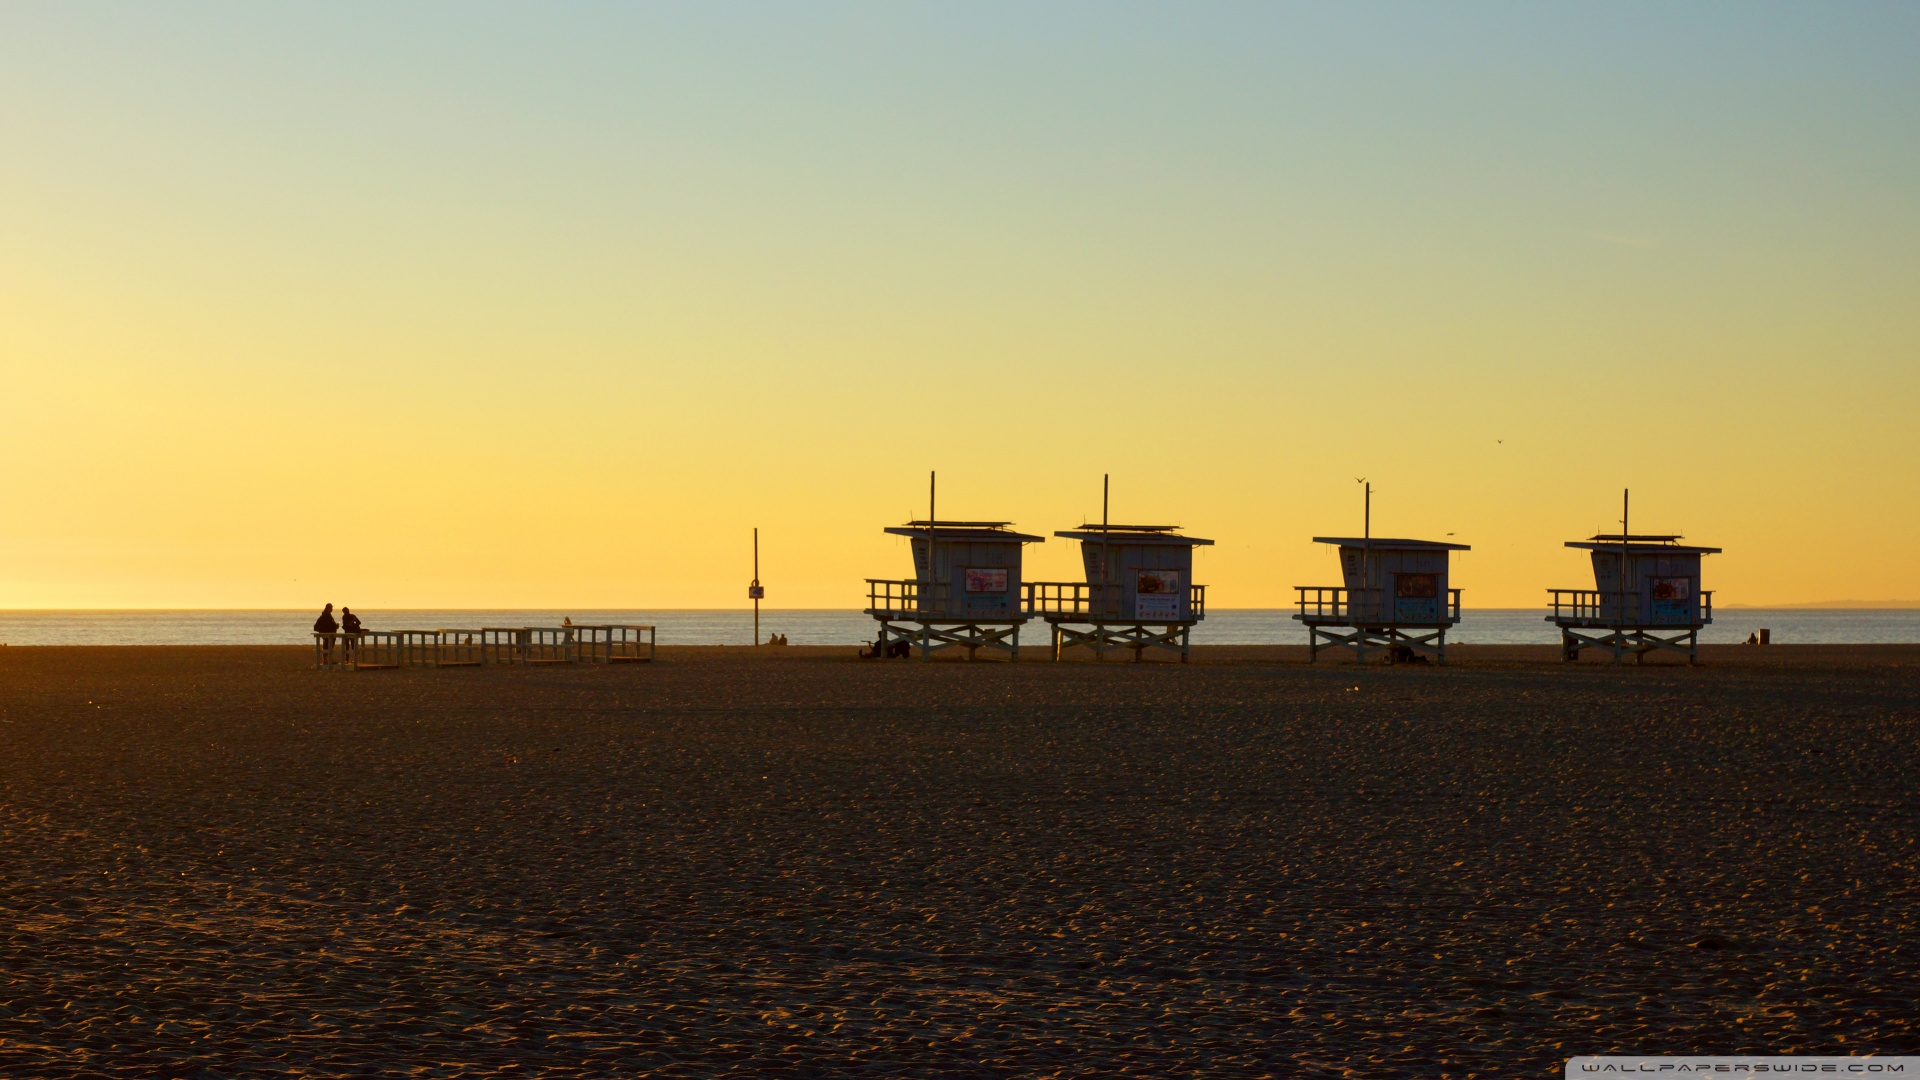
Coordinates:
[1366,525]
[1106,550]
[1625,531]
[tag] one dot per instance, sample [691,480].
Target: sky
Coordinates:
[504,305]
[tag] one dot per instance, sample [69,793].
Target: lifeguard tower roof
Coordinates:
[1389,544]
[1133,534]
[963,530]
[1640,544]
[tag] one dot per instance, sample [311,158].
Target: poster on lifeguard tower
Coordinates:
[1416,598]
[982,580]
[1156,594]
[1672,600]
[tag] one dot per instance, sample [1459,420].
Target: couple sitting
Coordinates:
[349,622]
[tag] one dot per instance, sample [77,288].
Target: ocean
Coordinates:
[1243,626]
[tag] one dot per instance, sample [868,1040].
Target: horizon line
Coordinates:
[1823,605]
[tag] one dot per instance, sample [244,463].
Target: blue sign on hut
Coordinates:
[1646,597]
[1139,592]
[1396,598]
[965,591]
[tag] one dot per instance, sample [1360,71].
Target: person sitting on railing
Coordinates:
[325,625]
[349,629]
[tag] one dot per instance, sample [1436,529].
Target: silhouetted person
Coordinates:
[325,625]
[349,622]
[568,621]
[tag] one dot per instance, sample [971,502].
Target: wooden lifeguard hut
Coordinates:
[1139,592]
[1646,596]
[1396,599]
[965,592]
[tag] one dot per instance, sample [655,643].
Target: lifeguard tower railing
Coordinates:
[1598,607]
[890,599]
[484,647]
[1083,600]
[1100,607]
[1340,606]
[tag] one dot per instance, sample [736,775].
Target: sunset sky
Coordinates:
[476,305]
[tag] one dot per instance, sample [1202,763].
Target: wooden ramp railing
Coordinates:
[484,647]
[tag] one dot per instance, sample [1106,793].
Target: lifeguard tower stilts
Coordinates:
[1139,593]
[1646,597]
[1396,599]
[965,592]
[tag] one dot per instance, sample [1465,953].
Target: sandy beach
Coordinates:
[787,862]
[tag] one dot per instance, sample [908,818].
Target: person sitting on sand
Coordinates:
[783,639]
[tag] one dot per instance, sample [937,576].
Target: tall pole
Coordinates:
[1366,525]
[926,629]
[755,591]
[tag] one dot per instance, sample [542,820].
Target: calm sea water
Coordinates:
[834,627]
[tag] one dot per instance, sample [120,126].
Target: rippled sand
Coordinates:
[216,862]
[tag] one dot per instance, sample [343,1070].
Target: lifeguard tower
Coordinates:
[1139,592]
[965,592]
[1396,599]
[1646,597]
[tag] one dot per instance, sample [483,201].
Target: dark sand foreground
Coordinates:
[217,862]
